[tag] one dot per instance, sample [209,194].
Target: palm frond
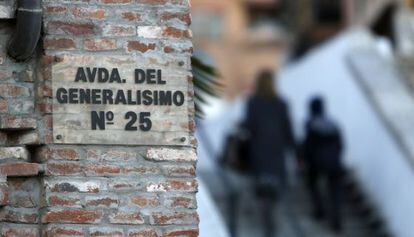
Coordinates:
[205,83]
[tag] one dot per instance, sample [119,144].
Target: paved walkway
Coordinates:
[293,213]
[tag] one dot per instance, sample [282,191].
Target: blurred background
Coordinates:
[358,55]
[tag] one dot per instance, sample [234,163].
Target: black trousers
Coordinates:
[330,189]
[268,191]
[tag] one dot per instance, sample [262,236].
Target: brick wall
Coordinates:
[85,190]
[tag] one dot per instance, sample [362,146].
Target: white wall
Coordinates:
[371,150]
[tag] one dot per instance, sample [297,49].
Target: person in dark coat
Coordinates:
[322,150]
[270,138]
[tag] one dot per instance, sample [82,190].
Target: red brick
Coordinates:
[4,194]
[88,13]
[75,186]
[72,216]
[145,201]
[66,154]
[102,201]
[76,29]
[44,108]
[63,231]
[126,217]
[175,218]
[162,2]
[19,231]
[184,17]
[140,170]
[106,232]
[182,232]
[119,30]
[180,170]
[176,33]
[147,232]
[62,43]
[131,16]
[45,90]
[100,44]
[17,123]
[113,155]
[11,90]
[55,9]
[19,169]
[141,47]
[99,170]
[63,201]
[19,215]
[4,106]
[64,168]
[116,1]
[180,202]
[182,185]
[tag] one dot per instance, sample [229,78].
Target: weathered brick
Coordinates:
[25,138]
[100,44]
[129,217]
[180,201]
[3,138]
[19,231]
[106,232]
[164,2]
[13,91]
[102,170]
[89,13]
[180,170]
[63,168]
[19,215]
[112,155]
[174,218]
[63,231]
[143,232]
[55,9]
[64,201]
[4,106]
[45,90]
[25,76]
[14,153]
[4,194]
[140,47]
[71,28]
[60,43]
[119,30]
[182,232]
[140,170]
[17,122]
[145,201]
[182,185]
[20,169]
[46,153]
[102,201]
[72,216]
[176,33]
[73,186]
[21,106]
[23,199]
[168,154]
[116,2]
[150,32]
[183,17]
[130,16]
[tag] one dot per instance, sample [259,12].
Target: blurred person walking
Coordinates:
[268,123]
[322,154]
